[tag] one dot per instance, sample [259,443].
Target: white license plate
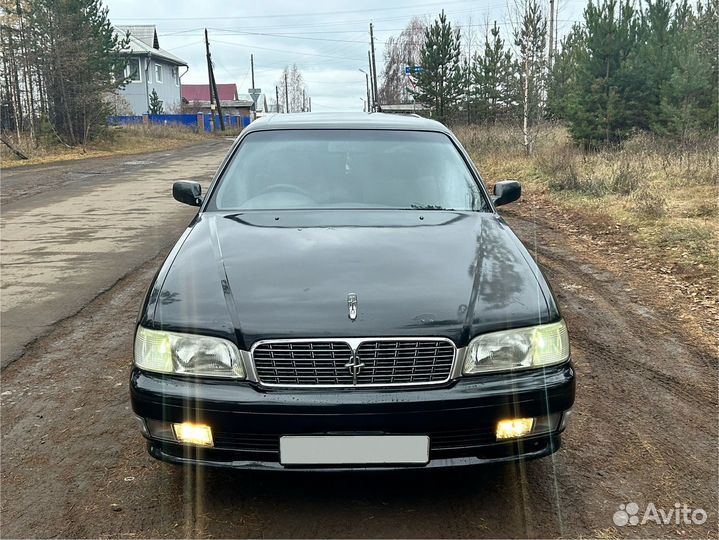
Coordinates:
[354,449]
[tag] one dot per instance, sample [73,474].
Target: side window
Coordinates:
[158,73]
[132,70]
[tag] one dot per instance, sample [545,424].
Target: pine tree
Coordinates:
[651,63]
[440,84]
[155,103]
[601,111]
[493,75]
[82,65]
[688,93]
[562,81]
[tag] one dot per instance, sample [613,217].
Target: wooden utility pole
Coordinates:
[370,104]
[213,87]
[374,70]
[287,96]
[209,81]
[556,26]
[277,97]
[254,103]
[551,33]
[366,80]
[252,68]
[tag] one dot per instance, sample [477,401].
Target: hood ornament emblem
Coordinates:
[352,306]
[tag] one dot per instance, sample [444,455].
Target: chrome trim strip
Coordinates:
[458,366]
[354,344]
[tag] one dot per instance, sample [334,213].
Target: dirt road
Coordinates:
[71,230]
[644,431]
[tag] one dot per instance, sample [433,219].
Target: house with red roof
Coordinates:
[201,92]
[196,99]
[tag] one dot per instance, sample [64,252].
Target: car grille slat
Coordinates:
[377,362]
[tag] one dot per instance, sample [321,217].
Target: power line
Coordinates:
[353,22]
[305,14]
[285,50]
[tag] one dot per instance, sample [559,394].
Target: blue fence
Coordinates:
[190,120]
[181,119]
[230,121]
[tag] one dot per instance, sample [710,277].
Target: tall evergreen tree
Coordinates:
[82,65]
[600,110]
[441,82]
[562,82]
[650,64]
[493,78]
[688,93]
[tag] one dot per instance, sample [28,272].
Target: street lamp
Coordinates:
[369,101]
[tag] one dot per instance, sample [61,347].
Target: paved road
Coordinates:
[69,231]
[644,429]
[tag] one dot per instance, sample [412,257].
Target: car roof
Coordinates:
[326,120]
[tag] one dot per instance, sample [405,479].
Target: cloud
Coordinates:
[329,43]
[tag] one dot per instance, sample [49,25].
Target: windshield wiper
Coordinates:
[428,207]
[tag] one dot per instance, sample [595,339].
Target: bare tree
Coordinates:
[403,50]
[296,90]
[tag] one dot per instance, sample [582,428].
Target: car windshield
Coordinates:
[353,169]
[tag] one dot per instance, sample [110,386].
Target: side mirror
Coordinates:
[187,192]
[506,192]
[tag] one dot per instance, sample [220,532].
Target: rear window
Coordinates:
[353,169]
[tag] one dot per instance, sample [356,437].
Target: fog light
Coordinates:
[197,434]
[516,427]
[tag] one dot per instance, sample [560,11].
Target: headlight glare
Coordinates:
[520,348]
[170,352]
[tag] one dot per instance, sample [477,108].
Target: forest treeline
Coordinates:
[61,64]
[627,67]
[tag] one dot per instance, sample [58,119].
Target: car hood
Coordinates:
[265,275]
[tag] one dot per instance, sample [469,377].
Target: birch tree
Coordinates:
[530,36]
[296,90]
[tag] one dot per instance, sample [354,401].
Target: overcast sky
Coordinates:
[327,40]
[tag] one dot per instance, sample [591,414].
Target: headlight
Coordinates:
[535,346]
[187,354]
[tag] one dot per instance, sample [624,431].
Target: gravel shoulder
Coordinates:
[644,430]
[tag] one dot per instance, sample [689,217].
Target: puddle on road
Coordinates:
[138,162]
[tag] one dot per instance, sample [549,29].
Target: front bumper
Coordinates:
[460,418]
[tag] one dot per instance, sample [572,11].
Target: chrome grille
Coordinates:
[397,362]
[354,362]
[298,362]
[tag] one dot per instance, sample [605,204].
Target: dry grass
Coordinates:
[118,140]
[666,192]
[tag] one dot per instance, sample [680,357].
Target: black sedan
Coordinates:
[348,297]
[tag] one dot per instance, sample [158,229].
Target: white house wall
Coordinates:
[137,92]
